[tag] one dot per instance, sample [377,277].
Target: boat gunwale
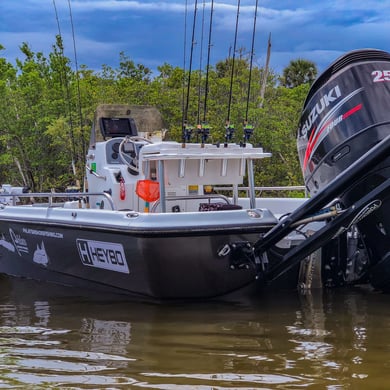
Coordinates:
[153,227]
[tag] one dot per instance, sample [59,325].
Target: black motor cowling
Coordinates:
[345,114]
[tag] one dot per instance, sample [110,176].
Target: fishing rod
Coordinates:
[77,79]
[208,63]
[200,65]
[205,128]
[65,82]
[79,97]
[248,128]
[230,127]
[202,128]
[187,131]
[184,61]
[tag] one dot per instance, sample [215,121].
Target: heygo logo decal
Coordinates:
[105,255]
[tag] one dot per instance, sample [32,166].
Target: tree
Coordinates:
[277,124]
[127,68]
[8,170]
[47,110]
[299,72]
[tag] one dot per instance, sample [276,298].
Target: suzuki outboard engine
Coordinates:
[346,114]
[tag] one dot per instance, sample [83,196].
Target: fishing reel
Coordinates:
[204,132]
[229,133]
[248,132]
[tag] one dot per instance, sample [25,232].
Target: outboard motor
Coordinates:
[346,114]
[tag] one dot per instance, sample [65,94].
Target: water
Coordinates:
[52,338]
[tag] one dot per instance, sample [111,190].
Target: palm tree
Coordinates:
[299,72]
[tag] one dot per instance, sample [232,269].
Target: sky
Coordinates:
[153,33]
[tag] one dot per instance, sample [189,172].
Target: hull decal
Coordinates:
[367,210]
[40,255]
[43,233]
[19,242]
[6,244]
[105,255]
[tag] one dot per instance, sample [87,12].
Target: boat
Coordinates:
[343,144]
[150,221]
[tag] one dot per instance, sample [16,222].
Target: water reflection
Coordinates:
[324,340]
[107,336]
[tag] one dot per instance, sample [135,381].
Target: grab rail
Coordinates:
[51,195]
[261,189]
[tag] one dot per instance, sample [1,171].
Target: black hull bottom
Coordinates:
[70,286]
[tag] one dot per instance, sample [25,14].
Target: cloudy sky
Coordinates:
[152,32]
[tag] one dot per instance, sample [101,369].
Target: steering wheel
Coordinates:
[130,158]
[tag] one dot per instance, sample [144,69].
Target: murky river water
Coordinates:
[333,340]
